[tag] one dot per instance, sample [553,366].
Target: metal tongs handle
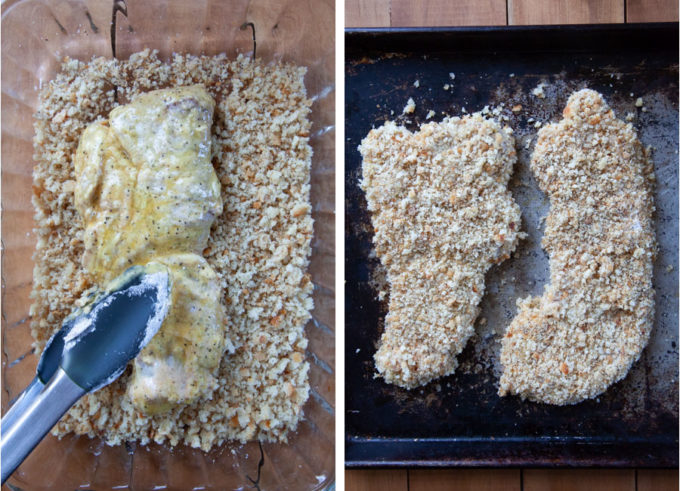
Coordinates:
[33,415]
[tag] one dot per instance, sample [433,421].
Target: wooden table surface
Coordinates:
[409,13]
[412,13]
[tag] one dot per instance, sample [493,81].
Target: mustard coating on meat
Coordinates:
[146,191]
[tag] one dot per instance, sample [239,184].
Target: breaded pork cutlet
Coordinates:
[442,215]
[594,318]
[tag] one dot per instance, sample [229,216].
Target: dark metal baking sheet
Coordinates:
[460,420]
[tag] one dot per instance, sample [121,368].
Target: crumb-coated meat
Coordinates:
[594,318]
[442,215]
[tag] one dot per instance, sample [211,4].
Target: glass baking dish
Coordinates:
[37,35]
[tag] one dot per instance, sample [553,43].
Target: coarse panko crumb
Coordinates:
[595,317]
[259,246]
[442,215]
[538,91]
[409,107]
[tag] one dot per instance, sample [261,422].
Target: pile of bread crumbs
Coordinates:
[259,246]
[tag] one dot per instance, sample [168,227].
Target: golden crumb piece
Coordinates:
[442,216]
[409,107]
[538,91]
[594,318]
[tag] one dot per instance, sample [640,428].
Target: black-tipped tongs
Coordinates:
[90,351]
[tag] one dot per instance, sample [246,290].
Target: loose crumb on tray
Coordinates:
[259,246]
[538,91]
[409,107]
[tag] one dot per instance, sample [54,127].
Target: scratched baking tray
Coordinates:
[460,420]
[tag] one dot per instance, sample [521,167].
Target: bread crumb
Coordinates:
[416,84]
[409,107]
[538,91]
[430,114]
[639,102]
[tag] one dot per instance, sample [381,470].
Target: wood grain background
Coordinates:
[512,480]
[414,13]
